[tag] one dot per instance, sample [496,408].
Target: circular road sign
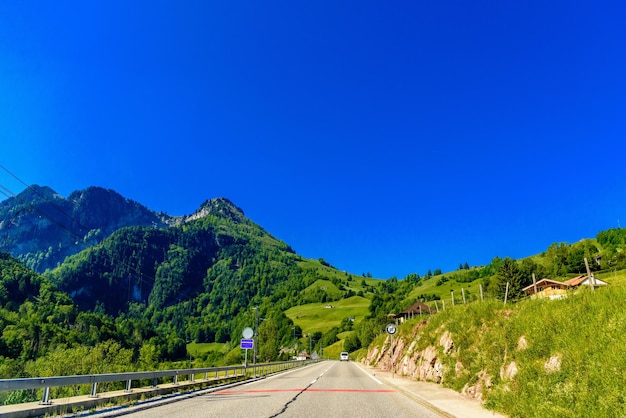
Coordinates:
[247,333]
[391,329]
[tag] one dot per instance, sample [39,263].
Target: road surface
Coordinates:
[326,389]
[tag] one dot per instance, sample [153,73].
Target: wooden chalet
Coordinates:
[418,308]
[552,289]
[546,288]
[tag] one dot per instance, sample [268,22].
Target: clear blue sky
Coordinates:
[385,137]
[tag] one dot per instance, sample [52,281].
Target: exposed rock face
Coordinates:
[553,364]
[429,364]
[220,207]
[476,390]
[421,365]
[522,344]
[446,342]
[509,371]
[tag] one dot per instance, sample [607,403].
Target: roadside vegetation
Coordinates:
[534,358]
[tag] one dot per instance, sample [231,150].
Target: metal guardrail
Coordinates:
[226,372]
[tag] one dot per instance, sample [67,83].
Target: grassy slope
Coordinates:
[200,349]
[329,272]
[585,333]
[429,286]
[316,317]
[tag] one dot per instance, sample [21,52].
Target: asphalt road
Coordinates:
[326,389]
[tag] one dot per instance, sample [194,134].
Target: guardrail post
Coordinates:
[192,376]
[94,393]
[46,397]
[176,379]
[154,382]
[206,375]
[128,386]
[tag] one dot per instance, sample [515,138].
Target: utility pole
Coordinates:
[592,280]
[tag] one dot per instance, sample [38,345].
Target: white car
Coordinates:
[344,356]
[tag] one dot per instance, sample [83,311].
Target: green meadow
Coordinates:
[322,317]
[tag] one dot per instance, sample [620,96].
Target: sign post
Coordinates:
[391,329]
[246,342]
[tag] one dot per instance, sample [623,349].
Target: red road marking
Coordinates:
[353,390]
[239,392]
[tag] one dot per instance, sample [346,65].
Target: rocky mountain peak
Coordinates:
[218,206]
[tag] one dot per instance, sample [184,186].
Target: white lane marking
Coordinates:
[367,373]
[320,376]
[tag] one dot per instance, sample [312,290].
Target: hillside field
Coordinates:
[314,317]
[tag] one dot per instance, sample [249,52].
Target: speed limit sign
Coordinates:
[391,329]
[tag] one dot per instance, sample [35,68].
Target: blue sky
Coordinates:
[385,138]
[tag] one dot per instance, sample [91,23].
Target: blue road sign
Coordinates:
[247,344]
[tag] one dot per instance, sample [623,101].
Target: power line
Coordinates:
[131,270]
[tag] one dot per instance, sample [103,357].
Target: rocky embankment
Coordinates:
[428,364]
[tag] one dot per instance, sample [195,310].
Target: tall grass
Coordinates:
[583,338]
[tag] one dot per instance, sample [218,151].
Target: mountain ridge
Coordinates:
[41,228]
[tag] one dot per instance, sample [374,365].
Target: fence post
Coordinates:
[592,279]
[506,292]
[46,397]
[463,293]
[94,393]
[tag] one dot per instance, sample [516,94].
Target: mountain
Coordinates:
[149,281]
[40,228]
[216,250]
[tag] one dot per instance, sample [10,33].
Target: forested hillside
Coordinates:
[41,228]
[194,282]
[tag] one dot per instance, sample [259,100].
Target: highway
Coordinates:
[326,389]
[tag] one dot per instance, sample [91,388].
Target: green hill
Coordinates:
[535,358]
[322,317]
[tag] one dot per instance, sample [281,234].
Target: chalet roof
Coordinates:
[577,281]
[543,283]
[417,308]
